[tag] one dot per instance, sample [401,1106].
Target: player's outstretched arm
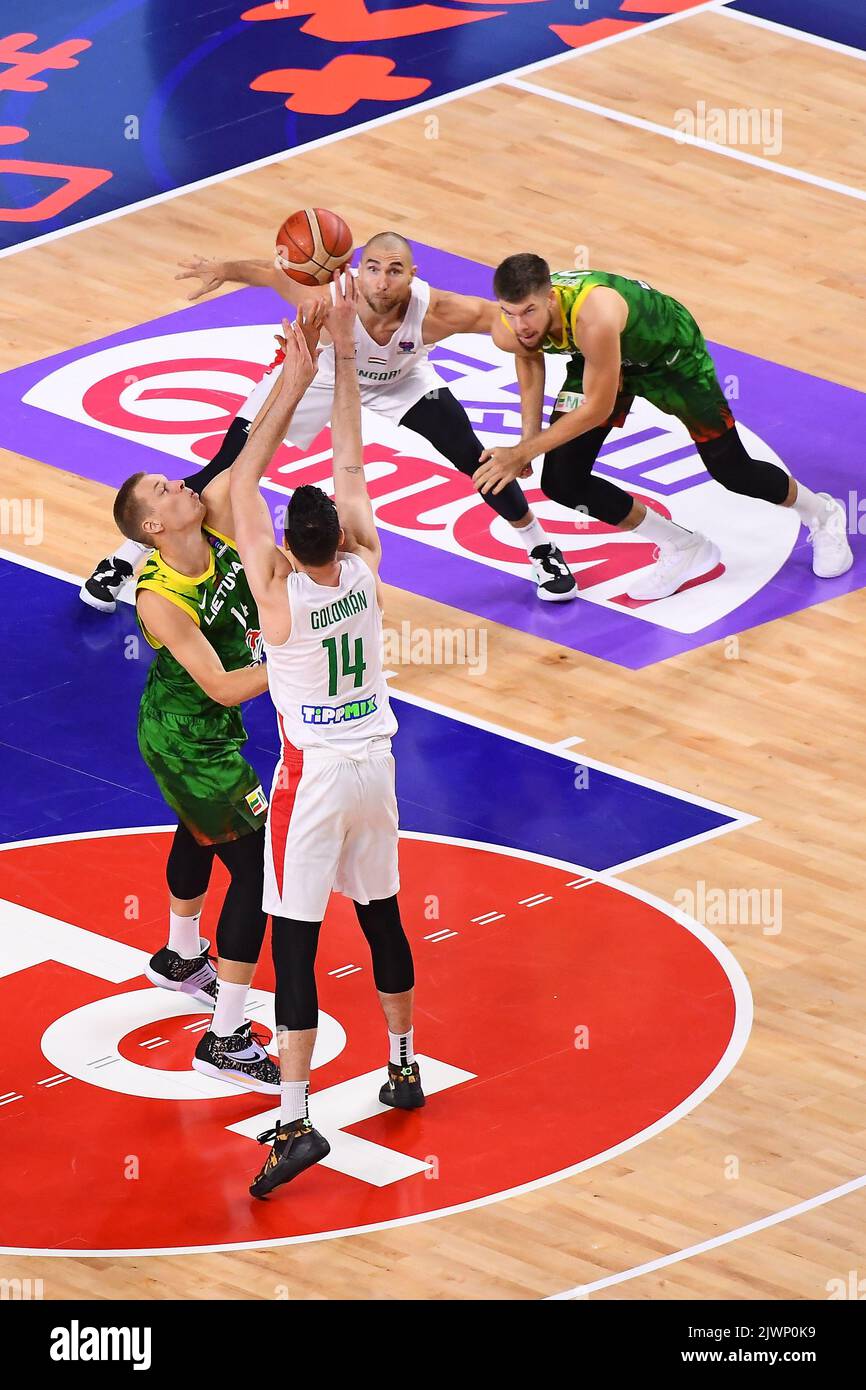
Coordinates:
[253,531]
[213,274]
[177,631]
[351,497]
[457,313]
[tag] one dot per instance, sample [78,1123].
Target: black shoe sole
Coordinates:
[303,1154]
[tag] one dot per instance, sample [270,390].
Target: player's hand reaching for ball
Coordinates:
[341,310]
[211,273]
[299,363]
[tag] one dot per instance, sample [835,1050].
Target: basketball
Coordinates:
[312,244]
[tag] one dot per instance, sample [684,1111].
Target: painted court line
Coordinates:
[364,126]
[581,1290]
[653,128]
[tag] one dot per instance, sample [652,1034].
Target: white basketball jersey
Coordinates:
[381,367]
[326,681]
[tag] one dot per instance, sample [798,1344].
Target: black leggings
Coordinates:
[241,925]
[294,944]
[234,440]
[441,419]
[567,475]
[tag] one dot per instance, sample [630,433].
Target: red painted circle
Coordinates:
[583,1020]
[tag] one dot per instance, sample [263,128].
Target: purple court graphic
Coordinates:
[159,397]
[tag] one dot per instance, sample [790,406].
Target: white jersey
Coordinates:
[382,367]
[326,681]
[392,378]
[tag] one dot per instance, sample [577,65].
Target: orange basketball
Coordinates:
[313,243]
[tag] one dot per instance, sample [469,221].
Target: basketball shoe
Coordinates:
[195,977]
[402,1090]
[296,1147]
[102,588]
[554,581]
[675,567]
[828,537]
[238,1059]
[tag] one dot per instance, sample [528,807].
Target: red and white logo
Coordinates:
[561,1020]
[177,393]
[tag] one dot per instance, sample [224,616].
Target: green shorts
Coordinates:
[683,384]
[202,774]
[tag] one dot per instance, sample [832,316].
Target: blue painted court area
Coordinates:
[114,101]
[69,761]
[842,21]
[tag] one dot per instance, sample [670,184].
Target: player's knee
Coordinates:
[294,944]
[726,460]
[393,967]
[241,925]
[189,864]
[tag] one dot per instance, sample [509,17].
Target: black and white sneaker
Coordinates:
[296,1147]
[239,1059]
[195,977]
[555,581]
[101,589]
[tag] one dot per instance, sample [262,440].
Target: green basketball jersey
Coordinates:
[656,327]
[220,603]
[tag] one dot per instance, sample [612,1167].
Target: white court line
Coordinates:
[681,138]
[373,124]
[582,1290]
[800,34]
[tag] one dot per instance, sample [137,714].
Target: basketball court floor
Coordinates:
[632,843]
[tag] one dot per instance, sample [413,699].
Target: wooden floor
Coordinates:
[771,266]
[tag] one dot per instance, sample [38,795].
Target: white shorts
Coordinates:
[332,824]
[313,411]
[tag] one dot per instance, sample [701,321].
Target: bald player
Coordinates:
[400,317]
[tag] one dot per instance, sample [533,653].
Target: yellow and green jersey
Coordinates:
[658,328]
[664,356]
[220,603]
[191,743]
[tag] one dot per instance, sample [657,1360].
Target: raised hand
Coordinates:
[341,310]
[299,366]
[211,273]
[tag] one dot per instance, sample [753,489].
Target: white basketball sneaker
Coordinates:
[674,567]
[828,537]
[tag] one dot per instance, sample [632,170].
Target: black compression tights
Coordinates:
[294,945]
[241,925]
[567,475]
[441,419]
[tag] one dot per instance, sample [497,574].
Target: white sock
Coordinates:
[183,935]
[809,506]
[660,531]
[294,1101]
[532,535]
[132,552]
[228,1014]
[401,1048]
